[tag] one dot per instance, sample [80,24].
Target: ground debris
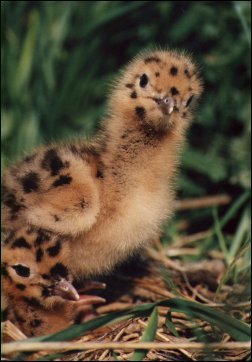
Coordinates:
[195,281]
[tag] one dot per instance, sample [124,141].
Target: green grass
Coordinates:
[235,328]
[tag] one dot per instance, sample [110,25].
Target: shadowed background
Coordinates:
[59,57]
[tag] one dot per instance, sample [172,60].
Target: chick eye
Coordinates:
[143,80]
[21,270]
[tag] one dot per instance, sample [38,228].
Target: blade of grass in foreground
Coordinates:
[75,330]
[148,336]
[238,330]
[235,328]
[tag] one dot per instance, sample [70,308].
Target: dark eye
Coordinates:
[189,101]
[21,270]
[143,80]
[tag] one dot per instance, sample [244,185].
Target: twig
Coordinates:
[182,251]
[160,256]
[131,337]
[69,346]
[202,202]
[242,304]
[209,302]
[11,332]
[154,288]
[113,307]
[104,354]
[185,240]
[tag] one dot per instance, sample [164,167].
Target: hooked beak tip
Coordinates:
[66,290]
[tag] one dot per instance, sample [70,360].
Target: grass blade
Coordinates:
[25,65]
[235,207]
[244,249]
[51,357]
[75,330]
[148,336]
[238,330]
[242,229]
[235,328]
[169,324]
[220,236]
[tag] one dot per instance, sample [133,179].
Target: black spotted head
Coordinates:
[157,88]
[19,270]
[35,272]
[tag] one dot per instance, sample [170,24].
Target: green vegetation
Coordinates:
[58,60]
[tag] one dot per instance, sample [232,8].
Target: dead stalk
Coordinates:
[68,346]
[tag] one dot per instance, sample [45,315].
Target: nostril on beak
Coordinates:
[169,103]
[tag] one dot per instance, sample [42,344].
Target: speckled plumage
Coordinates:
[106,198]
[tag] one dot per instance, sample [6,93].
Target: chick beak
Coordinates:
[66,290]
[168,103]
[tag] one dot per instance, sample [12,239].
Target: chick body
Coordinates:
[109,196]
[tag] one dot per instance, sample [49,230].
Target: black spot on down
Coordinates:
[4,271]
[187,73]
[174,91]
[62,180]
[174,71]
[59,270]
[30,182]
[20,243]
[45,293]
[140,112]
[129,85]
[9,199]
[39,255]
[33,302]
[21,286]
[54,250]
[41,238]
[52,162]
